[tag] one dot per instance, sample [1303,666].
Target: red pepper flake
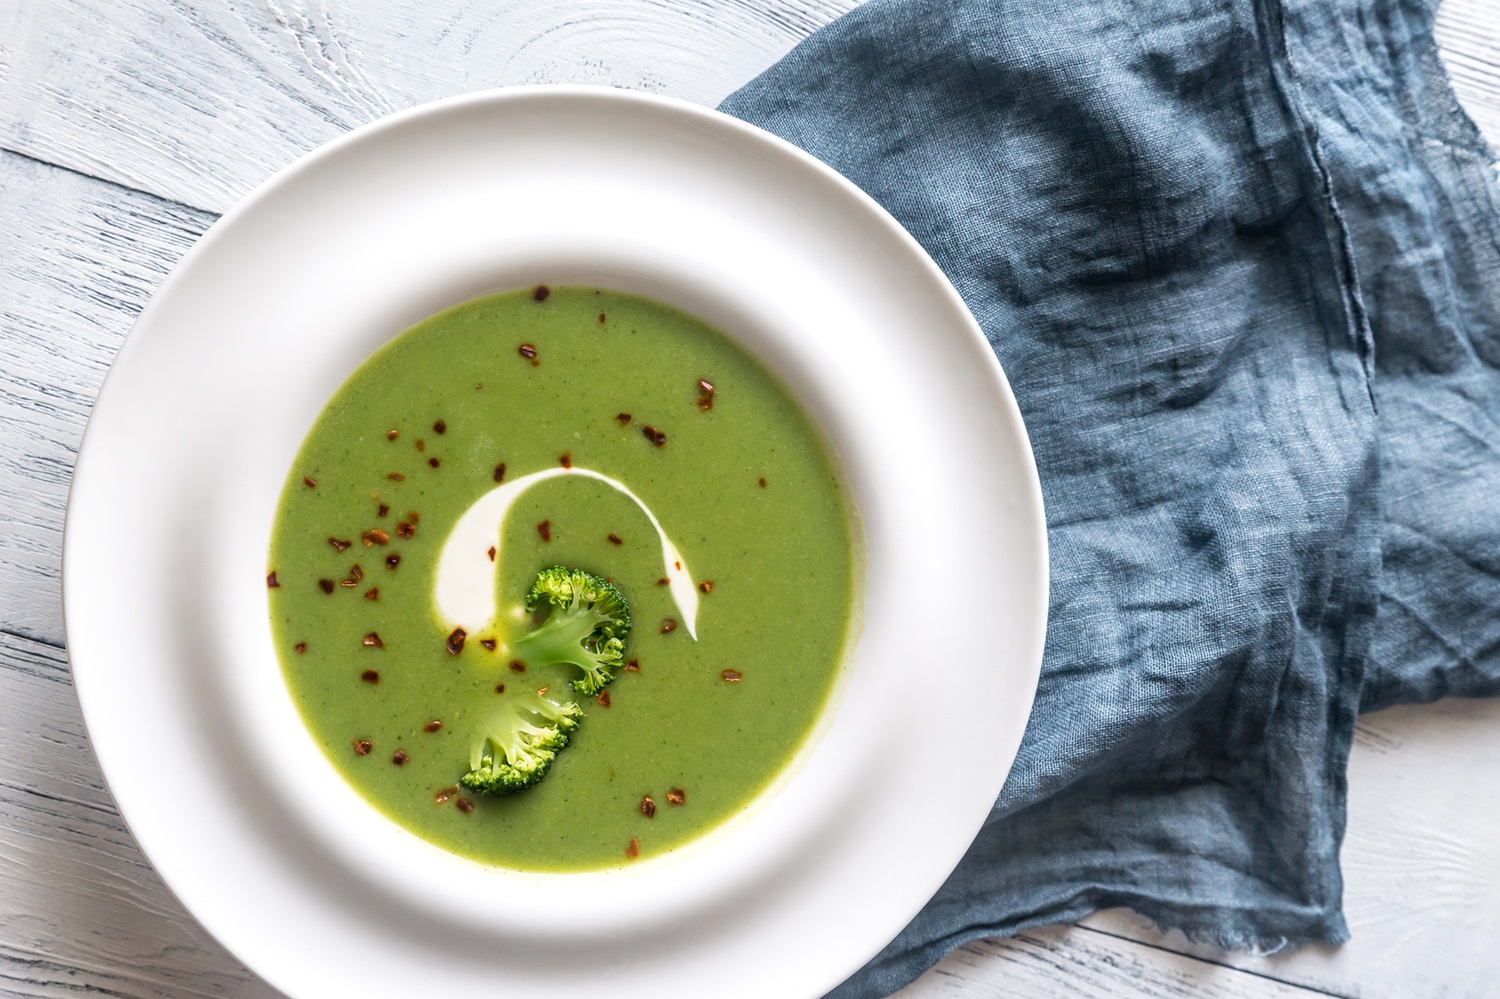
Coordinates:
[678,565]
[634,849]
[668,625]
[565,460]
[676,796]
[326,585]
[614,539]
[545,530]
[271,582]
[705,394]
[456,641]
[648,807]
[633,666]
[405,530]
[356,573]
[362,747]
[399,757]
[411,515]
[518,666]
[373,640]
[391,435]
[434,462]
[433,725]
[376,537]
[488,643]
[491,553]
[542,691]
[540,292]
[395,476]
[499,688]
[421,444]
[664,581]
[351,583]
[440,427]
[384,511]
[373,593]
[731,676]
[309,482]
[624,419]
[527,351]
[763,483]
[464,805]
[340,546]
[370,676]
[706,586]
[500,472]
[391,561]
[301,647]
[441,796]
[601,318]
[653,435]
[603,699]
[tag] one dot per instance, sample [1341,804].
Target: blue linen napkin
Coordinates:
[1239,259]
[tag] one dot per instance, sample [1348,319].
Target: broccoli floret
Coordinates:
[516,744]
[586,626]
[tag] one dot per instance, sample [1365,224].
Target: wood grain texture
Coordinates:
[89,256]
[193,104]
[1063,962]
[81,912]
[200,102]
[1468,33]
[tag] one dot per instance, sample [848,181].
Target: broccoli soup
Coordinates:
[561,579]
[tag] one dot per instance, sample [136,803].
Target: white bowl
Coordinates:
[177,481]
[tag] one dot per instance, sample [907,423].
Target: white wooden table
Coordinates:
[127,125]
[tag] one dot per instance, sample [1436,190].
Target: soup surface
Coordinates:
[504,387]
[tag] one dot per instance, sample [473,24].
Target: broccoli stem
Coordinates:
[560,638]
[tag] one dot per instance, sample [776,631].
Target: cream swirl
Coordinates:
[464,587]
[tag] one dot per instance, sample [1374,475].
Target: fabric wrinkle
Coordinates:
[1251,317]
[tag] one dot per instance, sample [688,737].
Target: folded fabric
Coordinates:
[1239,260]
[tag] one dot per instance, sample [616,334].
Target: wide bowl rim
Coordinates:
[1027,498]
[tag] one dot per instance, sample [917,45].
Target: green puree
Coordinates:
[778,557]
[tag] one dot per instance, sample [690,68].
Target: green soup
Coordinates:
[509,385]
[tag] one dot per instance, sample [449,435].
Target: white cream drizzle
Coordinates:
[464,589]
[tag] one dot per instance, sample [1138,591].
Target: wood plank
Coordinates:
[81,912]
[91,255]
[1468,33]
[200,102]
[1064,962]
